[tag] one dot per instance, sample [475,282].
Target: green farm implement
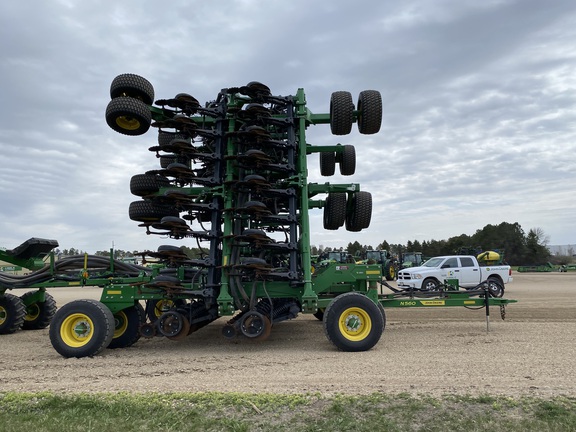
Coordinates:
[544,268]
[232,179]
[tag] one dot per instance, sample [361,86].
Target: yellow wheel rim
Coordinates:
[355,324]
[162,306]
[127,123]
[32,312]
[3,315]
[120,324]
[77,330]
[392,272]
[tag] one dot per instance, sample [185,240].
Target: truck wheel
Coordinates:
[335,210]
[82,328]
[127,324]
[38,314]
[353,322]
[430,284]
[146,184]
[495,288]
[369,112]
[341,113]
[359,215]
[327,164]
[12,313]
[348,160]
[147,211]
[134,86]
[128,116]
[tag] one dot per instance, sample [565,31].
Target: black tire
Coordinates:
[347,160]
[341,113]
[134,86]
[430,284]
[390,272]
[170,249]
[12,313]
[146,184]
[82,328]
[128,116]
[383,312]
[167,160]
[319,314]
[165,138]
[127,324]
[359,211]
[369,112]
[327,164]
[495,287]
[353,322]
[147,211]
[155,308]
[335,210]
[38,314]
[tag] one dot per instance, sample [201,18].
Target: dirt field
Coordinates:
[432,351]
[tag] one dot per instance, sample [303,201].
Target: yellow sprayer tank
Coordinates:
[488,257]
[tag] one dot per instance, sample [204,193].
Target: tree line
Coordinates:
[509,239]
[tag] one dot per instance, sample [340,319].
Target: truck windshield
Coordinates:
[433,262]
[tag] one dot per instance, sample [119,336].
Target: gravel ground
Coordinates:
[422,351]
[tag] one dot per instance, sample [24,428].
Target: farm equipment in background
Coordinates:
[335,257]
[411,259]
[385,259]
[232,178]
[485,258]
[544,268]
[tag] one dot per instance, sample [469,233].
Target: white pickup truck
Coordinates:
[465,268]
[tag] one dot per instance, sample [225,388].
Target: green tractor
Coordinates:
[385,259]
[411,259]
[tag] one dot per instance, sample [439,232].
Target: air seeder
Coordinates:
[232,178]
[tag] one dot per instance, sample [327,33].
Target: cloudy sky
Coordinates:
[479,122]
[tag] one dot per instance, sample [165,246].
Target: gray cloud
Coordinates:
[478,107]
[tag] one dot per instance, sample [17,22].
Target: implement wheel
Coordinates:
[147,184]
[341,113]
[353,322]
[347,160]
[335,210]
[38,314]
[369,112]
[360,211]
[127,324]
[82,328]
[12,313]
[148,211]
[134,86]
[155,308]
[327,164]
[128,116]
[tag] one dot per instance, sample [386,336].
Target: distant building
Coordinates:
[565,250]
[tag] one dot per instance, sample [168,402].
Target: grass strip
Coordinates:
[49,412]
